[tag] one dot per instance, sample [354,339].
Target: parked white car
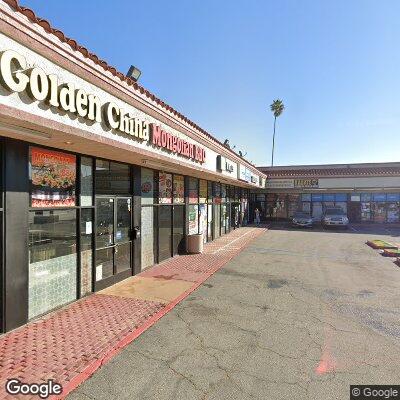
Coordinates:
[334,216]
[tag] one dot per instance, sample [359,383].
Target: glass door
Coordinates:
[113,240]
[123,246]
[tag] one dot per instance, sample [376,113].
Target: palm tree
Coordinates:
[277,108]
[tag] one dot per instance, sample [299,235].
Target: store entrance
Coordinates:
[354,211]
[113,240]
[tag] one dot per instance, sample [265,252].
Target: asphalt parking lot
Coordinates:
[300,313]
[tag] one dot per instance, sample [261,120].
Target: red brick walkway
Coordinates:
[70,344]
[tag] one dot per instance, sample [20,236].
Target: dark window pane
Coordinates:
[179,229]
[104,263]
[86,181]
[105,222]
[112,177]
[179,189]
[123,257]
[164,232]
[193,190]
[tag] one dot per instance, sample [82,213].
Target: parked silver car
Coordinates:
[335,216]
[302,219]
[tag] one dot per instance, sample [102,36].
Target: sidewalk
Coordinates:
[71,343]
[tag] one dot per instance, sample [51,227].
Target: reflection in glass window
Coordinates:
[52,259]
[203,191]
[112,178]
[179,189]
[165,188]
[86,181]
[193,190]
[147,188]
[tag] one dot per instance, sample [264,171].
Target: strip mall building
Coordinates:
[100,179]
[366,192]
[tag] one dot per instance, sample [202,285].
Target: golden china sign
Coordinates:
[16,76]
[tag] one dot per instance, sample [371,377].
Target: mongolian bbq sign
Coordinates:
[53,176]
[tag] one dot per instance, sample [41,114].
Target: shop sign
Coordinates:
[305,183]
[224,164]
[242,172]
[248,175]
[255,179]
[280,183]
[175,144]
[17,76]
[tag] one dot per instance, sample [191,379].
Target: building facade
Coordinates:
[366,192]
[99,178]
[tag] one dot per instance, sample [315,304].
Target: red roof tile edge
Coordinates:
[30,14]
[332,172]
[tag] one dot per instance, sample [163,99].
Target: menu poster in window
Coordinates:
[165,188]
[203,191]
[179,189]
[53,177]
[193,219]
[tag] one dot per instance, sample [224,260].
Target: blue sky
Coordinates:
[336,66]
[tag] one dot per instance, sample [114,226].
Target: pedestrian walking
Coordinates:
[257,215]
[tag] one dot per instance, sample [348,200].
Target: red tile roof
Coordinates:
[330,172]
[30,14]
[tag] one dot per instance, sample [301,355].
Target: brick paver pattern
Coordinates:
[62,344]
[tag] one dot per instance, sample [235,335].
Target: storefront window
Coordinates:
[52,259]
[381,197]
[393,212]
[86,250]
[112,178]
[193,190]
[365,211]
[203,191]
[294,200]
[193,215]
[223,193]
[217,193]
[53,177]
[378,211]
[365,196]
[210,192]
[86,181]
[203,221]
[179,189]
[165,188]
[147,186]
